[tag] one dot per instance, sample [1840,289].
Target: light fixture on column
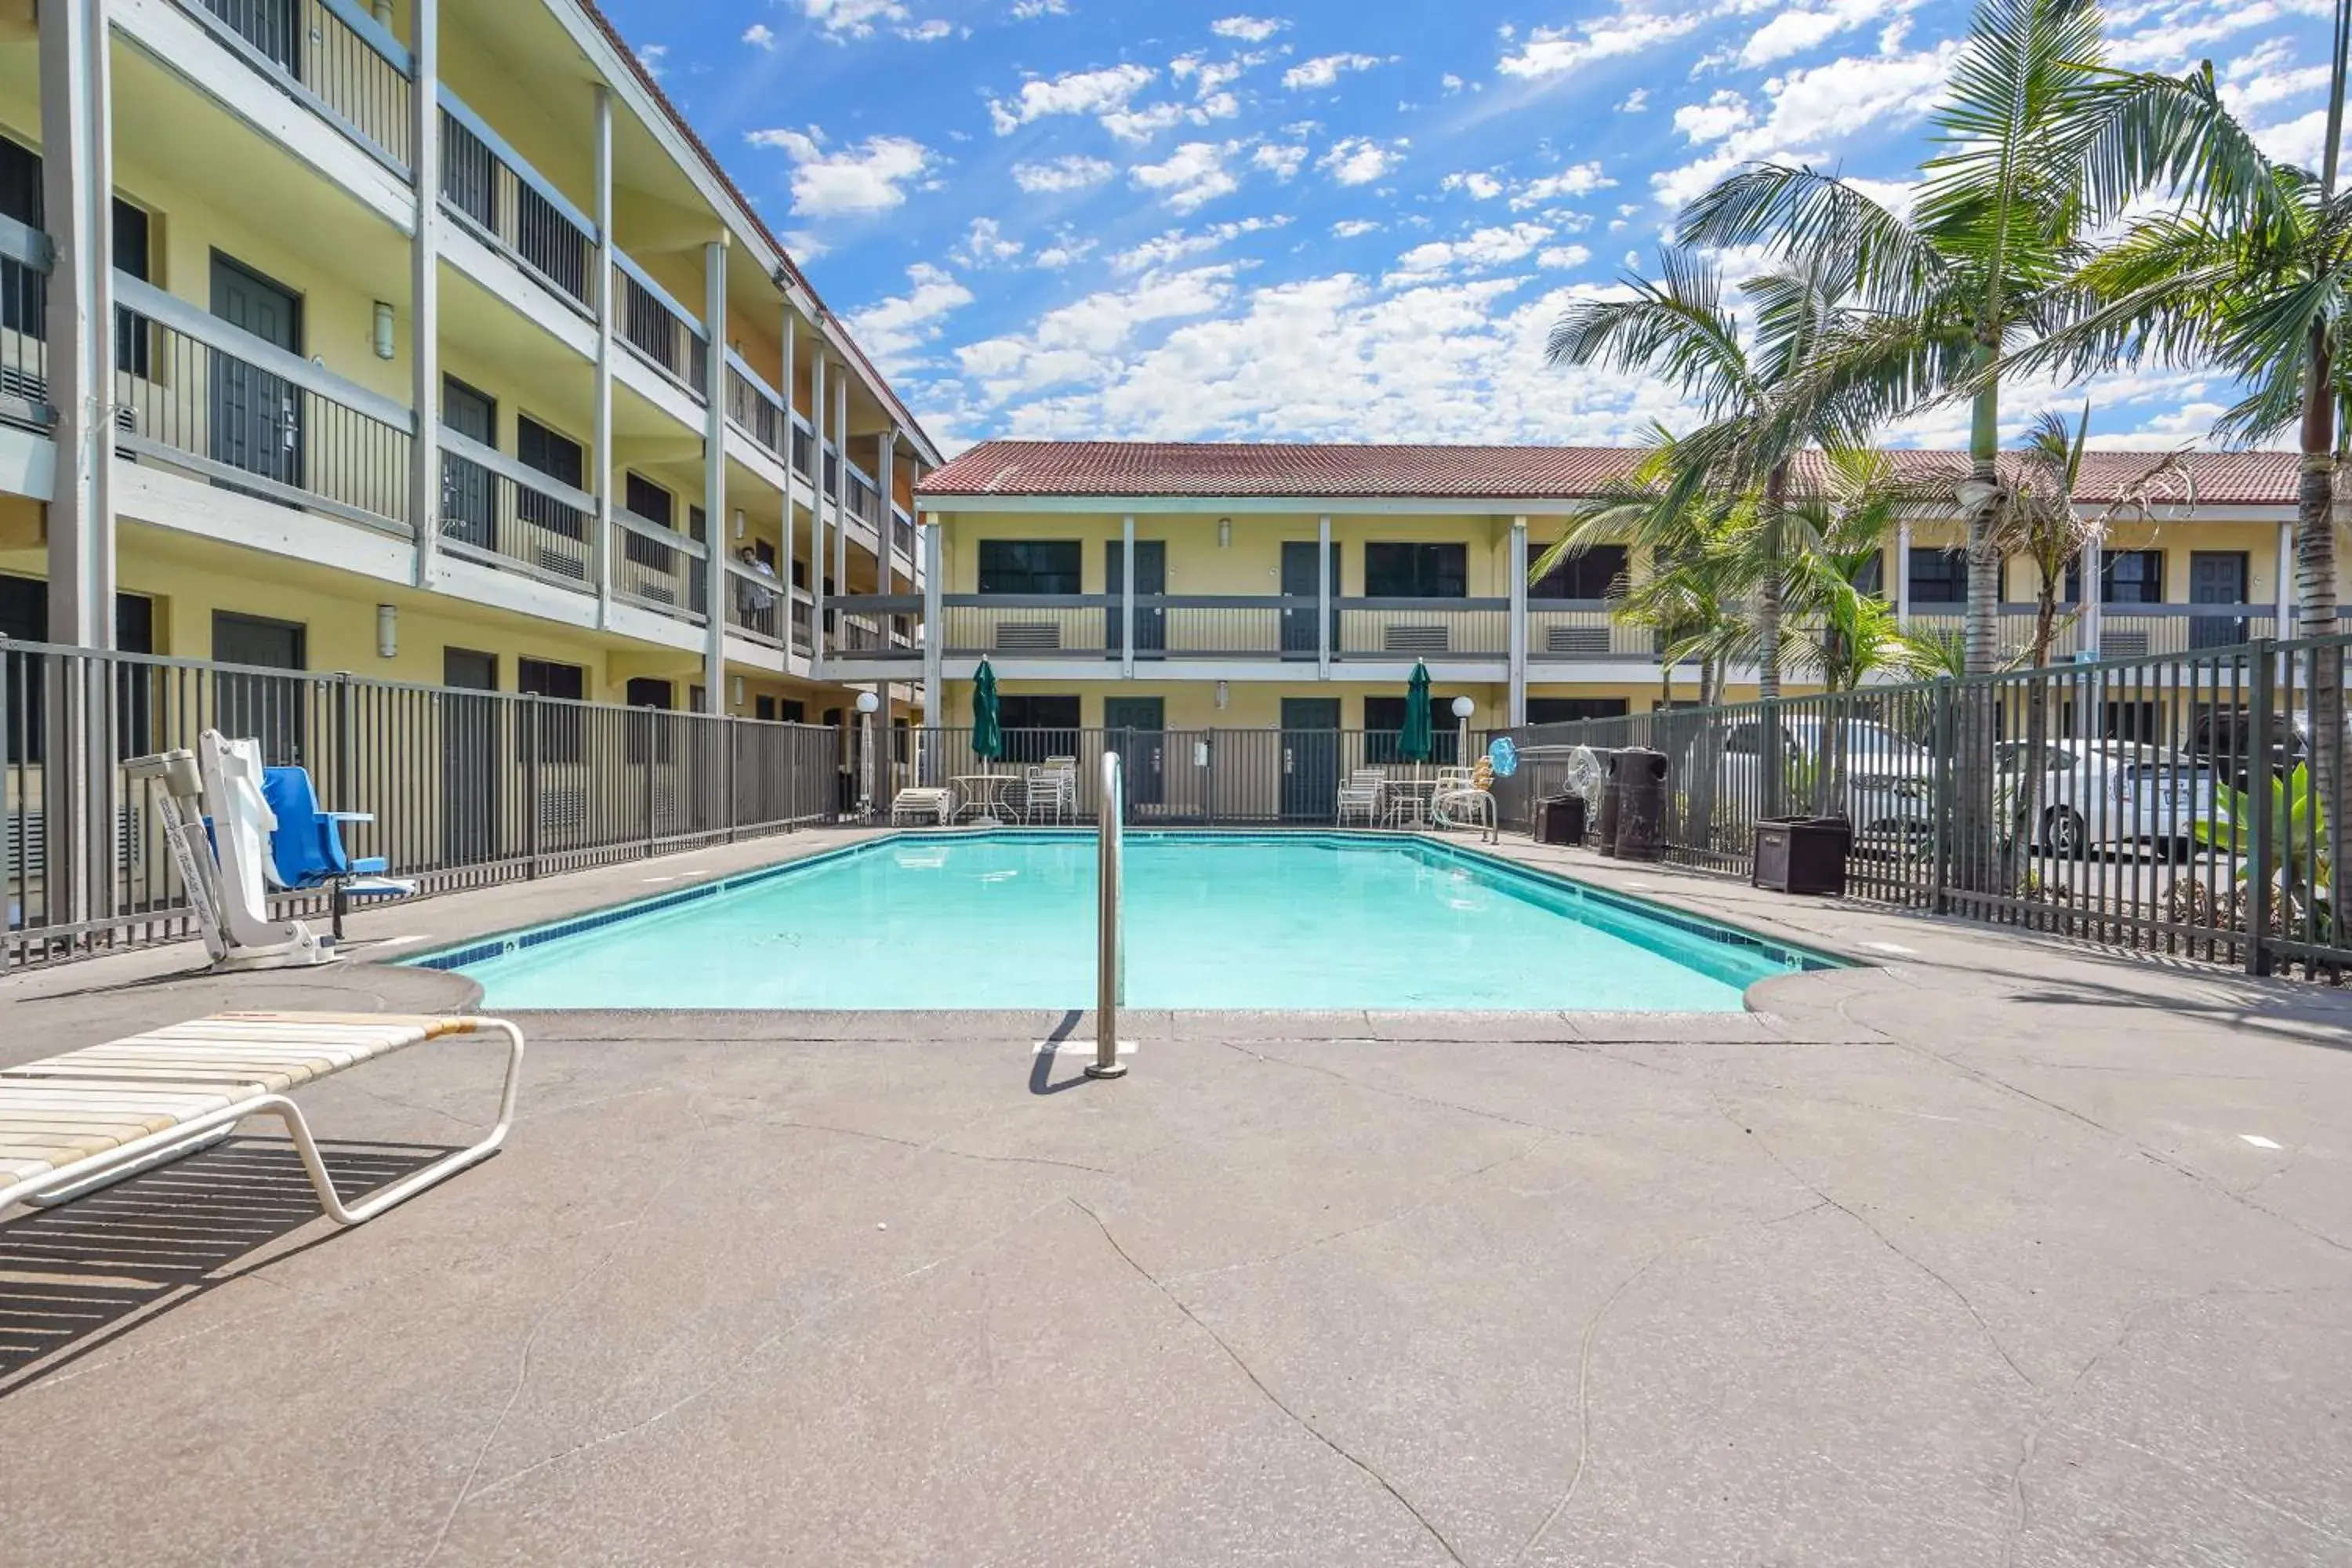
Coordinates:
[381,10]
[384,345]
[738,522]
[1224,696]
[738,692]
[1224,533]
[387,631]
[867,703]
[1462,709]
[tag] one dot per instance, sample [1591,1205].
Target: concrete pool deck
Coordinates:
[1969,1258]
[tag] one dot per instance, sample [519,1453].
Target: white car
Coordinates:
[1887,778]
[2100,794]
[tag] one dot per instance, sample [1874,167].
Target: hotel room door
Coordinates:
[1311,758]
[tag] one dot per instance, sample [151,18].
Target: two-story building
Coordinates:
[1187,587]
[424,341]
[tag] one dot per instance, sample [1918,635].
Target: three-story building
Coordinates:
[422,339]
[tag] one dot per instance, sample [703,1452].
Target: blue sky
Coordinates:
[1331,219]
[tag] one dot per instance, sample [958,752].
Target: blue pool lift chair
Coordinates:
[306,848]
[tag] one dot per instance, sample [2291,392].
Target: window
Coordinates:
[562,731]
[131,335]
[1870,574]
[23,294]
[1036,728]
[1416,571]
[763,707]
[648,500]
[1572,710]
[1938,576]
[642,497]
[2126,577]
[1030,566]
[1384,723]
[791,711]
[1745,740]
[650,692]
[1597,574]
[561,458]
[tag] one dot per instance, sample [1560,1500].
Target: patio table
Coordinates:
[1407,799]
[981,793]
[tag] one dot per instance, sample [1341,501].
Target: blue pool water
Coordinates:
[1212,921]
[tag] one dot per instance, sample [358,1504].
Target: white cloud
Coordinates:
[1350,228]
[1801,28]
[984,243]
[1723,114]
[1076,342]
[759,37]
[893,330]
[1813,112]
[1482,250]
[1176,245]
[1068,173]
[1106,91]
[1562,257]
[1358,160]
[863,177]
[1194,173]
[1552,51]
[929,32]
[1142,124]
[1030,10]
[1450,82]
[843,19]
[1323,70]
[651,57]
[1248,30]
[1576,179]
[1635,102]
[1283,161]
[1066,250]
[1480,184]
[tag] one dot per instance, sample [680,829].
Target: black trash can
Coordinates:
[1560,819]
[1802,855]
[1637,777]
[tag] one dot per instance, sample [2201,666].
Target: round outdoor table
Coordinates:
[983,792]
[1408,798]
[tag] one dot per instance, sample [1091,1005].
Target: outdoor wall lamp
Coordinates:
[738,522]
[1464,707]
[738,692]
[384,345]
[1224,533]
[387,631]
[1224,696]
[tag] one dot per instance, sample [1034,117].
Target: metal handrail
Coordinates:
[1110,972]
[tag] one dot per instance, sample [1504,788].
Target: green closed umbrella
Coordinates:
[1414,743]
[988,735]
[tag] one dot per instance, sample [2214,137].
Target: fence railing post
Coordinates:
[531,797]
[2261,889]
[727,736]
[1940,811]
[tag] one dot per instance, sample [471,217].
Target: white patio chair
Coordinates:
[1360,796]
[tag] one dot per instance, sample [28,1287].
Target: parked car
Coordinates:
[1887,778]
[2107,794]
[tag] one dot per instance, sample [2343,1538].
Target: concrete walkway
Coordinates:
[1967,1258]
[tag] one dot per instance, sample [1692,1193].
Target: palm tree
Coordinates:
[2040,143]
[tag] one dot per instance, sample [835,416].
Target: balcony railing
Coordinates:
[658,569]
[214,400]
[1573,630]
[659,331]
[803,444]
[487,186]
[25,261]
[330,54]
[502,513]
[864,500]
[2126,631]
[753,407]
[755,605]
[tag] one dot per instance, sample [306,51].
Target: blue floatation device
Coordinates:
[1504,755]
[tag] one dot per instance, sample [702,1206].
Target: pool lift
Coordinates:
[222,853]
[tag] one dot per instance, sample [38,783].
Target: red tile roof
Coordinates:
[1214,470]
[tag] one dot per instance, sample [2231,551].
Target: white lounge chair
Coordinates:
[74,1122]
[1360,796]
[1461,801]
[920,800]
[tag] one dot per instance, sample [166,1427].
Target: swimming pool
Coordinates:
[1213,920]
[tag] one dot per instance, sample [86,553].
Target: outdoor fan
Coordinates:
[1586,777]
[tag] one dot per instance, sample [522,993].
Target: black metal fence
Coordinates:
[467,788]
[2119,801]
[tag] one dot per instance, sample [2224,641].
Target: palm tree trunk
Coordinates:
[1975,860]
[2316,605]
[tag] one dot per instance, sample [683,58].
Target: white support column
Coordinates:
[885,477]
[792,408]
[2094,607]
[425,284]
[1903,574]
[1127,597]
[935,631]
[76,184]
[1326,591]
[715,534]
[841,482]
[602,438]
[1515,712]
[2284,588]
[816,508]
